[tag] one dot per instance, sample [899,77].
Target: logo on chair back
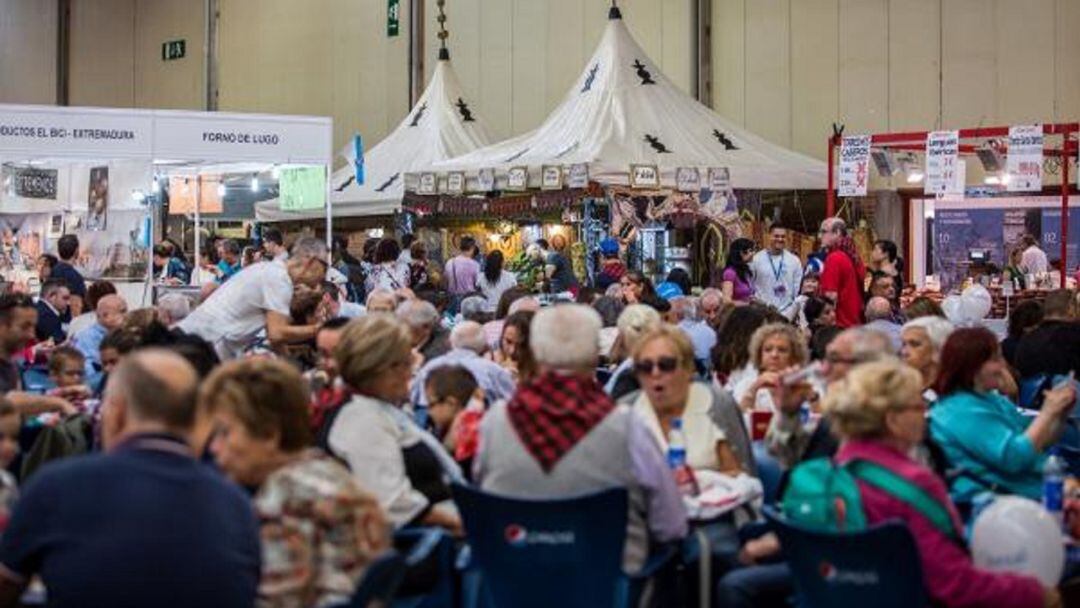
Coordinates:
[517,536]
[831,574]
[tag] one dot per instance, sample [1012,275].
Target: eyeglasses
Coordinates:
[666,365]
[835,359]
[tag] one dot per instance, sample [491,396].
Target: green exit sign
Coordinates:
[173,49]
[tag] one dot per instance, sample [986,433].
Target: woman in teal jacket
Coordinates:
[987,441]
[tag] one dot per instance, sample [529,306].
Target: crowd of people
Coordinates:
[262,445]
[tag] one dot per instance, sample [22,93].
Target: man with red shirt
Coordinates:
[842,279]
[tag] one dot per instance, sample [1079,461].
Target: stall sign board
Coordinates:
[1023,165]
[302,188]
[687,179]
[34,183]
[942,158]
[579,176]
[295,140]
[31,131]
[517,179]
[485,179]
[719,179]
[854,173]
[429,182]
[173,49]
[455,183]
[644,176]
[551,177]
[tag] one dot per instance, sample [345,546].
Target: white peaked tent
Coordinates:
[623,110]
[440,126]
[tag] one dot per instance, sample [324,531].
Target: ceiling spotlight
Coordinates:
[275,172]
[915,176]
[221,189]
[992,180]
[155,186]
[255,183]
[138,196]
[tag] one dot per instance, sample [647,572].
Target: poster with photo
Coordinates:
[98,201]
[56,226]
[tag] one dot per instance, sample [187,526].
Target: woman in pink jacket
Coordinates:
[880,413]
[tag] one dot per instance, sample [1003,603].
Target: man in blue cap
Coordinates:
[611,267]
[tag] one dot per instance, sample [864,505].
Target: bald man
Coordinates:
[145,517]
[879,317]
[110,313]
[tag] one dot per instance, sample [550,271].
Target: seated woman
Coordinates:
[773,348]
[981,432]
[879,413]
[715,436]
[319,528]
[404,466]
[514,353]
[921,342]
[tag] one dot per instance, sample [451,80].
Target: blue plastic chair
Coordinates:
[380,582]
[425,547]
[552,553]
[877,567]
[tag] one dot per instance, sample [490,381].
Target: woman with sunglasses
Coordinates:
[715,436]
[405,467]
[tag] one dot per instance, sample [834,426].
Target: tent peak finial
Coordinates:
[444,54]
[614,12]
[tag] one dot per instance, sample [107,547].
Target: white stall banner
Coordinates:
[301,140]
[942,157]
[719,179]
[517,179]
[485,180]
[854,173]
[687,179]
[34,131]
[550,177]
[1023,165]
[455,183]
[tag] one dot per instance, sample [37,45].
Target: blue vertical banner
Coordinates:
[358,148]
[1051,235]
[958,232]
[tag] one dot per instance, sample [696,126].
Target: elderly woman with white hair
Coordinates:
[635,321]
[561,435]
[921,341]
[429,338]
[403,466]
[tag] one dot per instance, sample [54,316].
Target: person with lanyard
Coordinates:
[777,272]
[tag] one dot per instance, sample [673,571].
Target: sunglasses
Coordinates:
[666,365]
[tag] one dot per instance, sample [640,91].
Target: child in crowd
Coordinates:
[455,407]
[67,370]
[10,423]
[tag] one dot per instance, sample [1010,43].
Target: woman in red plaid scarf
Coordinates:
[561,435]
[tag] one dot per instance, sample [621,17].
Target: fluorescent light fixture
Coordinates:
[221,189]
[992,180]
[915,176]
[155,186]
[254,183]
[275,172]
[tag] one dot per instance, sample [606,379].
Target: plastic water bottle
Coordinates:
[1054,486]
[676,452]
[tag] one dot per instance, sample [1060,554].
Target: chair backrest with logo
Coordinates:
[547,553]
[878,566]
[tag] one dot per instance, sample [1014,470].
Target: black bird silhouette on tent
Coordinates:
[463,108]
[723,139]
[419,113]
[643,74]
[590,78]
[352,178]
[656,144]
[386,184]
[516,156]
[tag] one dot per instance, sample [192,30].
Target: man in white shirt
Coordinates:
[257,298]
[1033,260]
[777,272]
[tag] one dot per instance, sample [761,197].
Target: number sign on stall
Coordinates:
[1023,165]
[942,158]
[854,165]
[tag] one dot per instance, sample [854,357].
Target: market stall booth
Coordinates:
[974,202]
[628,150]
[104,174]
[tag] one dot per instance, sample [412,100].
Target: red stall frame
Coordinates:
[916,141]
